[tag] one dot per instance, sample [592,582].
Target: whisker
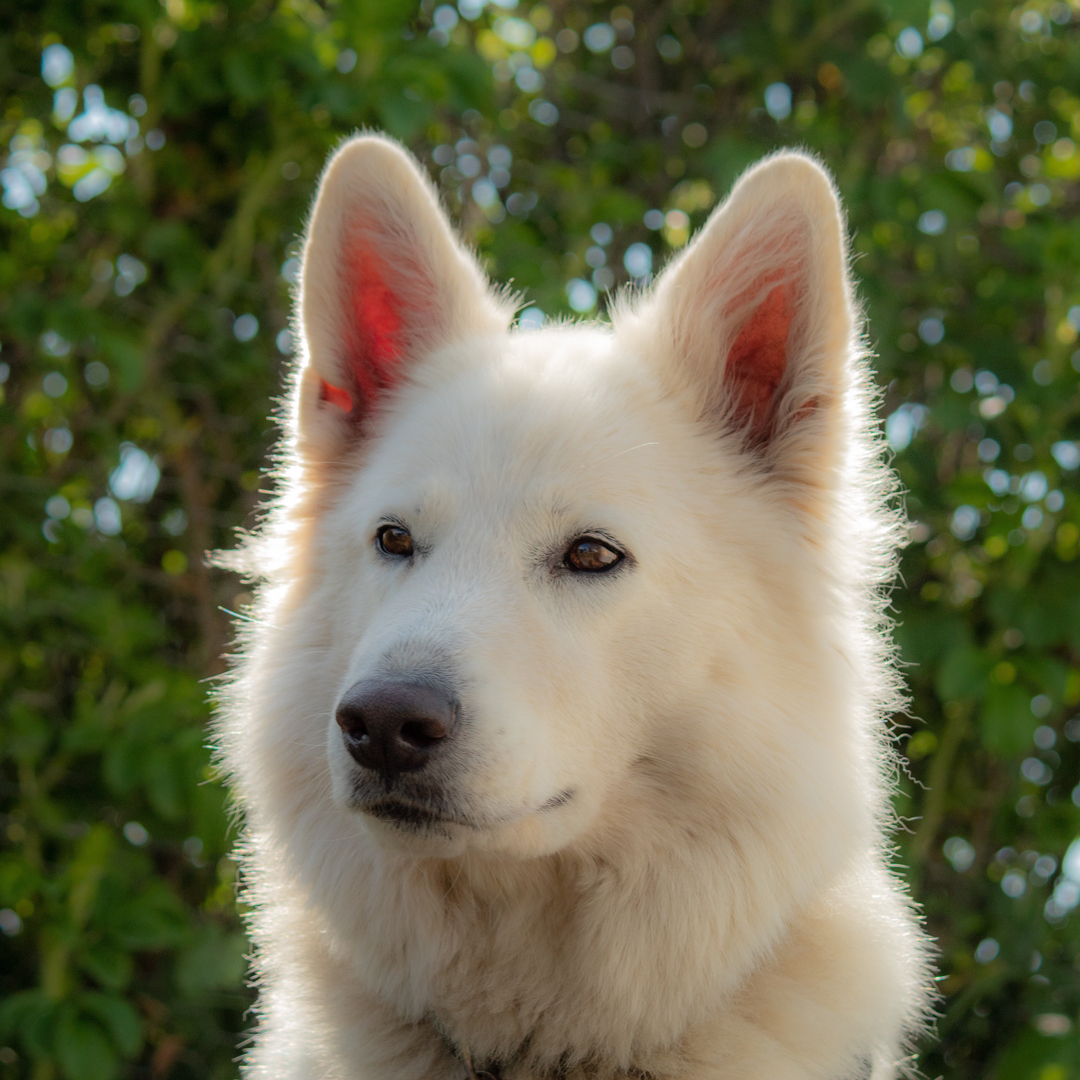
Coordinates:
[638,447]
[619,454]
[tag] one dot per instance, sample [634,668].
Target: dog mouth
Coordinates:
[418,817]
[411,815]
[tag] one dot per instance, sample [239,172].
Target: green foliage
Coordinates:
[144,292]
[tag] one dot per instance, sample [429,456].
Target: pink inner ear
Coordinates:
[342,399]
[375,322]
[758,359]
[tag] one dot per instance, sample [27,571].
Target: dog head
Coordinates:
[532,585]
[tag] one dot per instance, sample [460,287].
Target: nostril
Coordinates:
[352,724]
[420,734]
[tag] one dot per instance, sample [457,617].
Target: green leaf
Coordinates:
[84,1050]
[1005,720]
[963,673]
[120,1019]
[153,919]
[17,880]
[110,966]
[29,1015]
[217,961]
[1033,1056]
[87,870]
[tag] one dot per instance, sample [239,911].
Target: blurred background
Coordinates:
[157,161]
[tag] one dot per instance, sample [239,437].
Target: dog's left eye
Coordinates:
[591,556]
[394,540]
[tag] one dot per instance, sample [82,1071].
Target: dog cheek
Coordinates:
[529,719]
[512,757]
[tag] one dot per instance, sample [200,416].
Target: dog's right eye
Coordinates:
[591,556]
[394,540]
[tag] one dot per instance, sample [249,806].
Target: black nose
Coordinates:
[395,725]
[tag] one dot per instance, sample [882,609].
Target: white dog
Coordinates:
[559,733]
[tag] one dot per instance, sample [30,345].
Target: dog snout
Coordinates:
[396,726]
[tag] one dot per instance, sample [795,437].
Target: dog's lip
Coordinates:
[403,812]
[406,812]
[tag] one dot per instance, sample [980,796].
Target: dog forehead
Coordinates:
[530,411]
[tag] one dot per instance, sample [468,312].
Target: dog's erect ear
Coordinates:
[384,283]
[756,318]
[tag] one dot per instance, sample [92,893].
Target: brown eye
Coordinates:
[394,540]
[591,556]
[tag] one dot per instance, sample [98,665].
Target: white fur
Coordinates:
[714,900]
